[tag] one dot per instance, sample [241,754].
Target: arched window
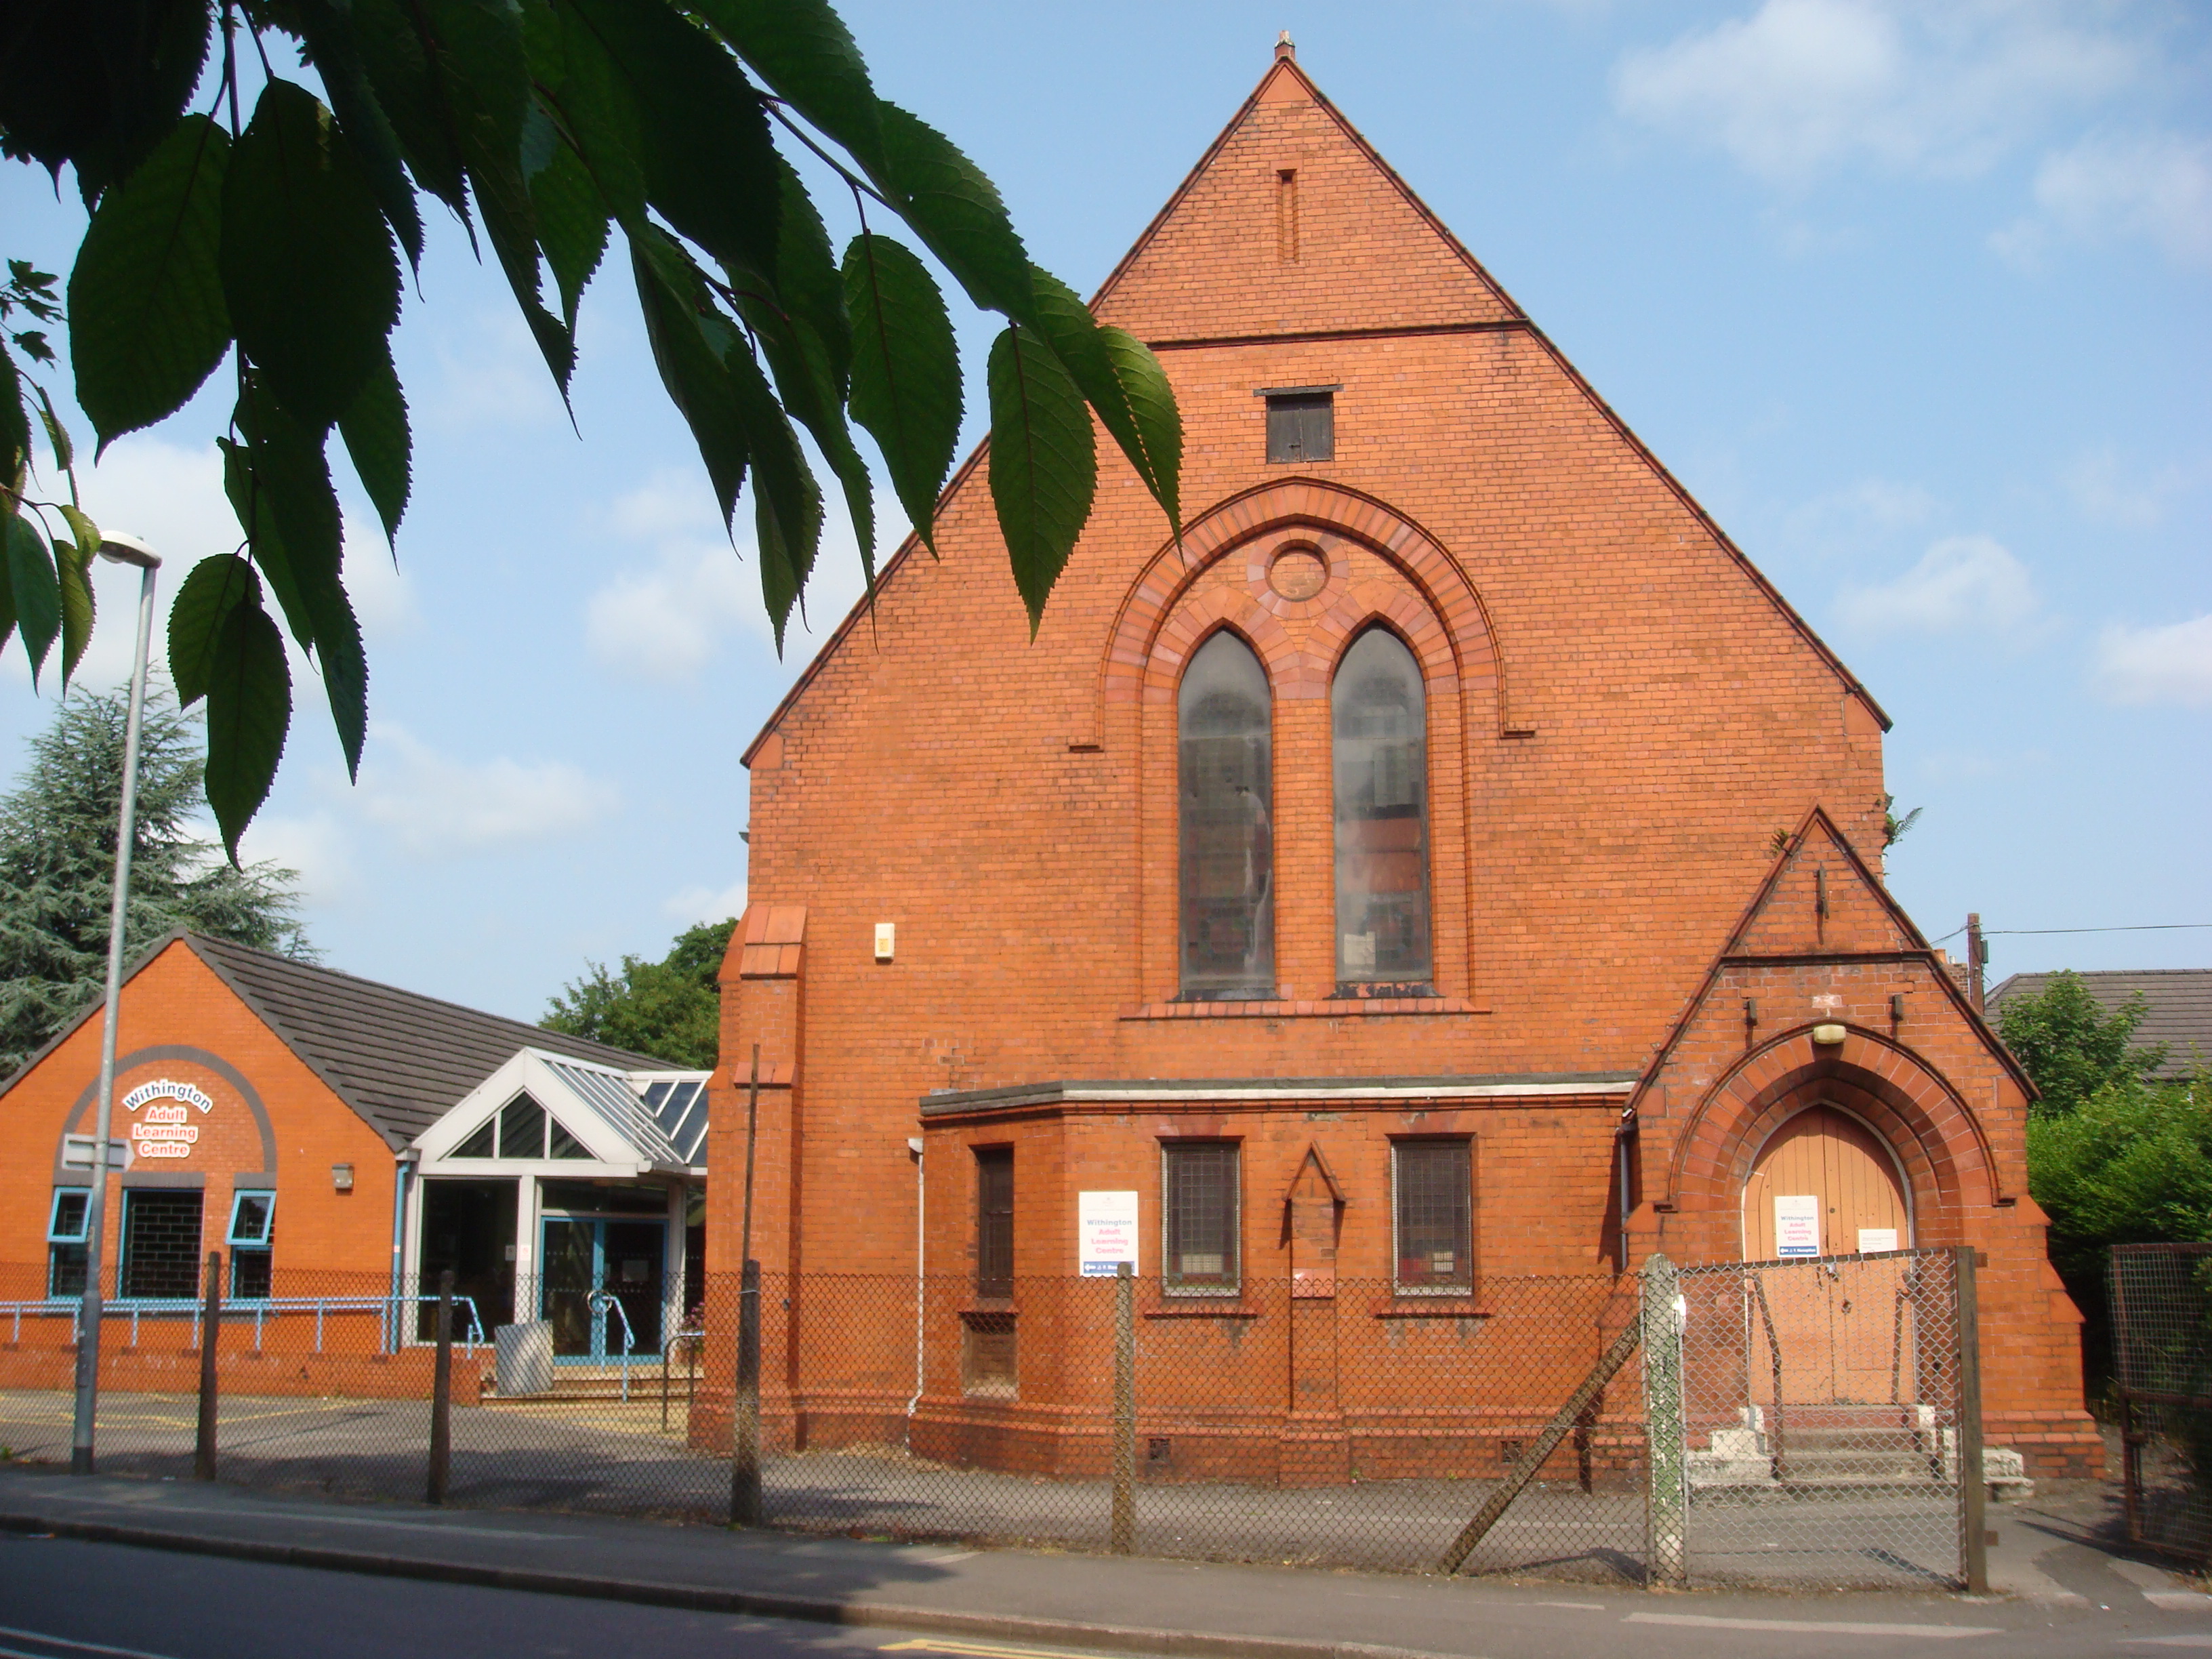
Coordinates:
[1381,815]
[1227,800]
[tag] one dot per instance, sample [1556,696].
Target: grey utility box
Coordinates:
[522,1357]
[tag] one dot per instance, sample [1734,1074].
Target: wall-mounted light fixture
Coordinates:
[886,940]
[341,1177]
[1828,1037]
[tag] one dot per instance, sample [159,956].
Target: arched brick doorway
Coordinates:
[1830,1155]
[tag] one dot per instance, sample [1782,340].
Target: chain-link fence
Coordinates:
[2161,1304]
[1789,1422]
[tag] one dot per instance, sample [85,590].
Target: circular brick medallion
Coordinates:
[1298,573]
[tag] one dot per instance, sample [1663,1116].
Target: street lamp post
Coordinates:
[122,550]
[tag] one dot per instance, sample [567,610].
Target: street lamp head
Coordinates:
[126,548]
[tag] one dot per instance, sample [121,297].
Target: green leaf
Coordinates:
[98,86]
[1044,463]
[287,472]
[786,501]
[56,434]
[147,320]
[375,427]
[1154,444]
[35,587]
[1159,421]
[249,697]
[803,52]
[14,424]
[197,615]
[7,587]
[673,296]
[808,281]
[328,25]
[956,212]
[74,560]
[572,225]
[399,63]
[906,370]
[307,265]
[590,101]
[710,168]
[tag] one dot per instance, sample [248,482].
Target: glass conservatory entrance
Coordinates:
[602,1285]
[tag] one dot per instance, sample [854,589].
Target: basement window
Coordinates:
[1301,422]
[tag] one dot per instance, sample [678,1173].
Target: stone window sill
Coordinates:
[1202,1307]
[1319,1008]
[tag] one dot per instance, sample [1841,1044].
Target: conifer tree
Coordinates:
[58,865]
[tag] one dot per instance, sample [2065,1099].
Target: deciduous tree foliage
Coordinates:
[58,865]
[669,1009]
[273,240]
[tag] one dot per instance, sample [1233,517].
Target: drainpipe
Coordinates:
[1628,1127]
[402,1172]
[920,1235]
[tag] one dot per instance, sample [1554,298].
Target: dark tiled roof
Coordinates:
[398,1058]
[2179,1002]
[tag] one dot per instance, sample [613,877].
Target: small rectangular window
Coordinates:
[71,1214]
[253,1220]
[67,1227]
[1199,1216]
[1302,426]
[1434,1200]
[994,1221]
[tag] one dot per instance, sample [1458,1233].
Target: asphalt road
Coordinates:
[61,1599]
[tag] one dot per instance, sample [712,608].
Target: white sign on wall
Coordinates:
[1797,1224]
[1872,1240]
[1106,1232]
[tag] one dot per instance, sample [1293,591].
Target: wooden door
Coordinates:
[1836,1326]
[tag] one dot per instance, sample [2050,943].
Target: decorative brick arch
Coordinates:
[1938,1142]
[1441,618]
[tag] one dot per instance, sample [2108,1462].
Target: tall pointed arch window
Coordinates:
[1227,803]
[1379,719]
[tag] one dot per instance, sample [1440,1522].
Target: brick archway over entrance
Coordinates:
[1941,1148]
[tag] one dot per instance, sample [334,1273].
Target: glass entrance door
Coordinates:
[593,1265]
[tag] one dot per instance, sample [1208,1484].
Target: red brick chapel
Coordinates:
[1456,860]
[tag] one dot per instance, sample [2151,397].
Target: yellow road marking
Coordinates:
[976,1649]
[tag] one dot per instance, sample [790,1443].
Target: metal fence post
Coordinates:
[1973,1493]
[210,1327]
[1666,1494]
[1125,1410]
[442,1395]
[744,1427]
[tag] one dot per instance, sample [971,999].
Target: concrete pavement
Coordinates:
[2060,1590]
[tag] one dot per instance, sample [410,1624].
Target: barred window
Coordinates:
[1382,767]
[1198,1215]
[1227,791]
[1434,1183]
[994,1221]
[160,1243]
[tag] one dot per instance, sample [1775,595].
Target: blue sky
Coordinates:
[1912,296]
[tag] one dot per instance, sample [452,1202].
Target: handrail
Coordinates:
[238,1309]
[602,1299]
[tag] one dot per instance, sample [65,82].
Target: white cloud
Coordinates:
[1961,582]
[2106,491]
[490,374]
[2171,665]
[2155,187]
[1844,521]
[668,618]
[698,904]
[316,846]
[437,806]
[1801,87]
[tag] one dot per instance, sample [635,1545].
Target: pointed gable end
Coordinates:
[1292,224]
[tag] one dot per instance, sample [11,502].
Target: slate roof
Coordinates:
[398,1058]
[2179,1000]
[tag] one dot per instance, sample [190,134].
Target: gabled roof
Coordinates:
[400,1059]
[626,1118]
[2179,1002]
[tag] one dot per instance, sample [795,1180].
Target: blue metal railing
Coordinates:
[258,1309]
[599,1302]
